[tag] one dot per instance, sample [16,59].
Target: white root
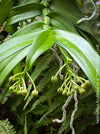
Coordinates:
[76,69]
[64,110]
[74,112]
[91,17]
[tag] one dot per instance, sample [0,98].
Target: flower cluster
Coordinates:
[69,86]
[18,85]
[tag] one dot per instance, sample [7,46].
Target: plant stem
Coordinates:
[60,70]
[31,80]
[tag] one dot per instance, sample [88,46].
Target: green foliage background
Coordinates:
[33,31]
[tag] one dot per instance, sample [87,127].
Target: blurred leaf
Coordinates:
[25,126]
[4,95]
[5,6]
[80,2]
[59,22]
[15,102]
[47,77]
[40,109]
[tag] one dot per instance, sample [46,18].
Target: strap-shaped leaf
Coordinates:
[5,6]
[21,39]
[43,42]
[14,45]
[27,1]
[30,28]
[6,61]
[83,53]
[11,63]
[23,12]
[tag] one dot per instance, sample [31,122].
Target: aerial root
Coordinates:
[64,110]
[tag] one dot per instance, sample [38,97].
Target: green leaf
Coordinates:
[12,63]
[5,6]
[30,28]
[27,1]
[14,45]
[43,42]
[21,39]
[23,12]
[80,2]
[4,95]
[83,53]
[60,22]
[6,127]
[69,12]
[40,110]
[66,7]
[6,61]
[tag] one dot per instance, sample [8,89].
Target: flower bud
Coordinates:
[87,83]
[54,79]
[83,86]
[76,87]
[35,93]
[12,79]
[78,81]
[60,90]
[66,88]
[68,93]
[72,91]
[19,92]
[82,91]
[11,88]
[24,92]
[64,92]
